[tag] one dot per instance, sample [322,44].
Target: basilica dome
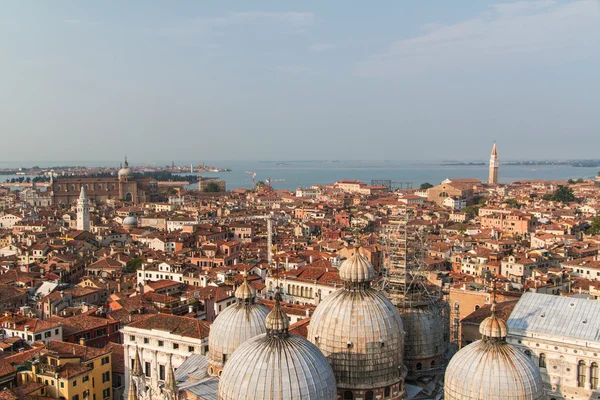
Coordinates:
[125,172]
[360,332]
[130,222]
[277,365]
[235,325]
[424,343]
[490,368]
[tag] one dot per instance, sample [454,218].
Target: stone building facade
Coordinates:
[560,334]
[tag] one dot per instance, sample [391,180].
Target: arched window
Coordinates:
[542,363]
[433,363]
[594,376]
[386,392]
[419,366]
[581,374]
[456,306]
[528,353]
[348,395]
[369,395]
[128,197]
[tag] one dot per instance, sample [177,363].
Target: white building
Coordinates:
[562,335]
[152,272]
[31,329]
[160,337]
[454,203]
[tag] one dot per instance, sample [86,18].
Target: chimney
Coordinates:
[312,258]
[81,343]
[308,312]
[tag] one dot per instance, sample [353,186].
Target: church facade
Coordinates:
[125,187]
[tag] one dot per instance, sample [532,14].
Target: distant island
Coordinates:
[446,163]
[571,163]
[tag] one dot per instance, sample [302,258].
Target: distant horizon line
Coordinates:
[184,163]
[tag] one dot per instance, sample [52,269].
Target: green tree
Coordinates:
[580,180]
[594,229]
[563,194]
[471,211]
[571,181]
[133,265]
[212,187]
[426,185]
[512,203]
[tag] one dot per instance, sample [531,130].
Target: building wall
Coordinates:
[563,356]
[157,355]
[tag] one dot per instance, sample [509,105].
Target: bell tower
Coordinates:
[493,178]
[83,212]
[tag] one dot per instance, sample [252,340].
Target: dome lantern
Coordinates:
[357,272]
[245,293]
[277,322]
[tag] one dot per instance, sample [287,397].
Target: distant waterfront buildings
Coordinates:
[125,187]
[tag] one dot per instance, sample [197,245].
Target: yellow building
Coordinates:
[72,372]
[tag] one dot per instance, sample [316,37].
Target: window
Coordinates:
[386,392]
[105,376]
[74,382]
[147,365]
[161,343]
[132,338]
[146,340]
[104,360]
[581,374]
[47,334]
[175,346]
[348,395]
[85,379]
[419,366]
[594,376]
[161,372]
[62,385]
[528,353]
[106,393]
[191,349]
[542,363]
[76,397]
[369,395]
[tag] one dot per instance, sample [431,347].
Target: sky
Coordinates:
[272,80]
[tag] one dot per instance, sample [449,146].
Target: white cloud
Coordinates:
[536,32]
[321,47]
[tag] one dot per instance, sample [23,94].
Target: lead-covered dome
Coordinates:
[360,332]
[424,341]
[277,365]
[235,325]
[491,369]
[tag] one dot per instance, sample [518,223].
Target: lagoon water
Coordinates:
[292,174]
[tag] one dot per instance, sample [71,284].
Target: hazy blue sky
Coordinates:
[169,80]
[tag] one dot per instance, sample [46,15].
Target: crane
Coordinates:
[269,180]
[253,174]
[269,217]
